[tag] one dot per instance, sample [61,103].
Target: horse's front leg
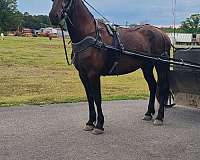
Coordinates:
[90,125]
[96,92]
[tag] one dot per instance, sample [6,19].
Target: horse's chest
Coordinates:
[89,61]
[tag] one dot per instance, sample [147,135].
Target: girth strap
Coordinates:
[111,64]
[116,57]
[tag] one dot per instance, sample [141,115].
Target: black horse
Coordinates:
[92,61]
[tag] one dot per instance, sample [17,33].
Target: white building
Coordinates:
[59,32]
[181,38]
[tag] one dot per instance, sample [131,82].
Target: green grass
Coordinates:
[34,71]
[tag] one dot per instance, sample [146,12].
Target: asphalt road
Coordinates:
[54,132]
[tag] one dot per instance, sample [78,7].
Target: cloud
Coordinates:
[35,6]
[152,11]
[133,11]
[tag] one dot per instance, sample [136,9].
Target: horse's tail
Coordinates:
[164,93]
[170,98]
[169,102]
[168,95]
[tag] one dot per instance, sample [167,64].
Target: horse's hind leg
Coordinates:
[92,113]
[149,77]
[162,90]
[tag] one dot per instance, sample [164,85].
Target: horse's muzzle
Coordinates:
[54,18]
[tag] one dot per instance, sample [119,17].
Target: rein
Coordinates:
[66,11]
[65,48]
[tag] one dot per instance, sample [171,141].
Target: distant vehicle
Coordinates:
[47,32]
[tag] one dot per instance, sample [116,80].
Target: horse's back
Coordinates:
[145,38]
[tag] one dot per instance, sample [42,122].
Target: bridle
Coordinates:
[66,9]
[65,13]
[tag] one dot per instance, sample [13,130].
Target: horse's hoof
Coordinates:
[147,118]
[88,128]
[97,131]
[158,122]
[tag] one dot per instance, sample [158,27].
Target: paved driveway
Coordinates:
[54,132]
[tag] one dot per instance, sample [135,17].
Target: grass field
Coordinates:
[34,71]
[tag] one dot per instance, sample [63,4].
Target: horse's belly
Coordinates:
[126,65]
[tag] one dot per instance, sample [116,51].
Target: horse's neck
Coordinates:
[80,22]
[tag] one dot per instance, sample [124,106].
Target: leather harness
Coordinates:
[112,62]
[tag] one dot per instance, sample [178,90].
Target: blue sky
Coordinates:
[158,12]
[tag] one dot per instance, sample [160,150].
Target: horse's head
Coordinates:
[60,9]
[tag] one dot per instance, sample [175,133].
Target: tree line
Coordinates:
[190,25]
[11,19]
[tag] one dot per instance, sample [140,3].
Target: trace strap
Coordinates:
[65,48]
[93,42]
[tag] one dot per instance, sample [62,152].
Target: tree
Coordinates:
[10,17]
[192,24]
[35,22]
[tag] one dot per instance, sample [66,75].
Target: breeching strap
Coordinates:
[65,48]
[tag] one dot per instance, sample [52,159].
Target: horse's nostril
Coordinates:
[54,18]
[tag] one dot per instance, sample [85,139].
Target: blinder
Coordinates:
[66,8]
